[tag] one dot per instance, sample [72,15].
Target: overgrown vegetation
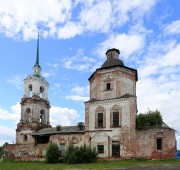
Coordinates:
[1,151]
[80,125]
[82,154]
[149,120]
[58,127]
[52,153]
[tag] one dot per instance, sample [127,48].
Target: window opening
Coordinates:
[41,91]
[30,90]
[108,86]
[100,148]
[42,116]
[27,115]
[115,119]
[100,119]
[25,137]
[159,144]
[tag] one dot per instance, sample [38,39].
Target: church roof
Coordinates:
[63,130]
[112,62]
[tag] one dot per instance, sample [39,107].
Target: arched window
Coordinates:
[100,117]
[27,115]
[42,116]
[30,90]
[115,117]
[41,91]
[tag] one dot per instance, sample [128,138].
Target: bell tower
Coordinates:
[34,105]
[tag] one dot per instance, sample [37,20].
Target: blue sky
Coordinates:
[74,36]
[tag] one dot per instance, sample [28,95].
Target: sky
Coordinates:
[74,37]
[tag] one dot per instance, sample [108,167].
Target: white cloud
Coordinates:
[173,28]
[70,30]
[79,93]
[19,19]
[77,98]
[128,44]
[96,17]
[80,90]
[63,116]
[79,62]
[15,115]
[18,16]
[16,80]
[7,135]
[158,85]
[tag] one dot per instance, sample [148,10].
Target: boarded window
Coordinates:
[100,119]
[100,148]
[115,119]
[108,86]
[159,144]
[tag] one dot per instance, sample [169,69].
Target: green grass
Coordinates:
[12,165]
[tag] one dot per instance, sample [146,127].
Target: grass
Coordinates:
[9,165]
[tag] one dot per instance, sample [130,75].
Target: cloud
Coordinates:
[79,62]
[158,84]
[134,43]
[63,116]
[21,19]
[7,135]
[15,115]
[16,80]
[79,93]
[173,28]
[77,98]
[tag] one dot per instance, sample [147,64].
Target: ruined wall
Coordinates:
[147,143]
[125,133]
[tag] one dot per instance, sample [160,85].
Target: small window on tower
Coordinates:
[25,137]
[108,86]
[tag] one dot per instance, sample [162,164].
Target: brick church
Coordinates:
[110,117]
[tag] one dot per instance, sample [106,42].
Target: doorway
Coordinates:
[115,149]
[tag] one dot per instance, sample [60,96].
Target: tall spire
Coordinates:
[37,53]
[37,67]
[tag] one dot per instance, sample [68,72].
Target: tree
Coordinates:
[52,153]
[80,125]
[148,120]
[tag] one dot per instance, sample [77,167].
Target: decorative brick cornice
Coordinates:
[111,101]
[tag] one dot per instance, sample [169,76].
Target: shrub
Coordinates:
[58,127]
[148,120]
[82,154]
[52,153]
[80,125]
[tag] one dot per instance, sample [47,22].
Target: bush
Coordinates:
[82,154]
[148,120]
[52,153]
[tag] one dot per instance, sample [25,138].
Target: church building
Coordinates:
[110,118]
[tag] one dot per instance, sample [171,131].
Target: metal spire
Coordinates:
[37,53]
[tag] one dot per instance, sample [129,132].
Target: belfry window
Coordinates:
[42,116]
[30,90]
[27,115]
[41,91]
